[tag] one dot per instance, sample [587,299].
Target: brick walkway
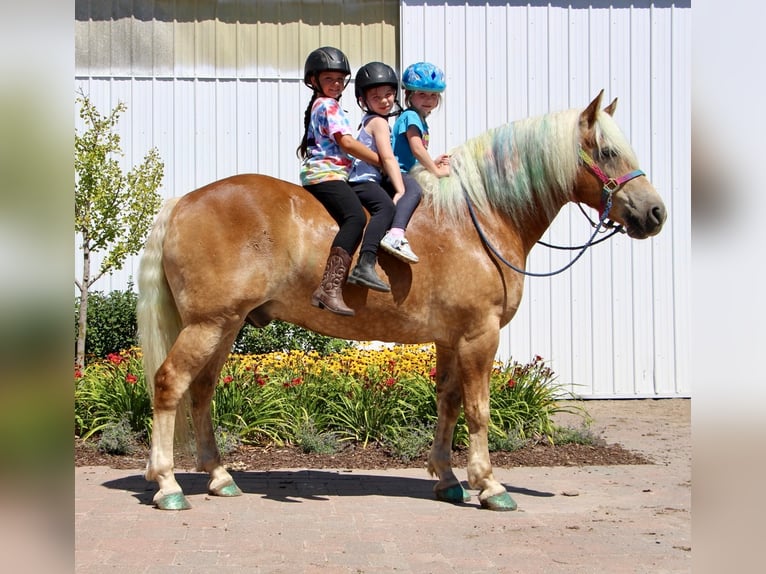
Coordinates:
[615,519]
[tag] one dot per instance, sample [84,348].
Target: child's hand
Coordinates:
[397,197]
[442,170]
[442,160]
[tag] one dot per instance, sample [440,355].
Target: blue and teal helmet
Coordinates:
[423,77]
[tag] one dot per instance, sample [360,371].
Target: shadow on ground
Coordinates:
[295,486]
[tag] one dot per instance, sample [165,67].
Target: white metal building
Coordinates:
[217,87]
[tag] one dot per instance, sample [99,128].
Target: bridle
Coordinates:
[610,186]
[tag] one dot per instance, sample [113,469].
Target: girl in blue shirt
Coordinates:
[423,84]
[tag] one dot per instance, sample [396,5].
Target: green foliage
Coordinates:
[523,401]
[113,210]
[411,441]
[318,402]
[111,322]
[112,328]
[508,441]
[227,441]
[281,336]
[118,437]
[571,435]
[312,440]
[109,390]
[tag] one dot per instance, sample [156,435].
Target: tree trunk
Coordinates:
[82,320]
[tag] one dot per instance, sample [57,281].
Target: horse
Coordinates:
[252,248]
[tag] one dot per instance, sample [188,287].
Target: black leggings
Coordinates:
[408,203]
[381,207]
[346,206]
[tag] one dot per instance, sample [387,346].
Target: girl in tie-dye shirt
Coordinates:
[327,143]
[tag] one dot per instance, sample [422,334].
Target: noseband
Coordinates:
[610,184]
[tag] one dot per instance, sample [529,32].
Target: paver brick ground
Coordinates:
[615,519]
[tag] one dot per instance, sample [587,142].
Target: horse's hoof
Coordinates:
[502,502]
[174,501]
[455,494]
[230,489]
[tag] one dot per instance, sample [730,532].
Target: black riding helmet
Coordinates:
[372,75]
[325,59]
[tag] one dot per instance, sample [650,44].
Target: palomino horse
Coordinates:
[252,248]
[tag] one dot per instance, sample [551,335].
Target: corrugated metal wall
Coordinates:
[216,87]
[617,323]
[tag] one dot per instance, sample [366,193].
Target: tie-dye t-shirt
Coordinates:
[399,141]
[325,161]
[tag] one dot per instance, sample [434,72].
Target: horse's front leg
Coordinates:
[448,401]
[475,358]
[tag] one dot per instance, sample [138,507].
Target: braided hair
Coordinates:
[322,59]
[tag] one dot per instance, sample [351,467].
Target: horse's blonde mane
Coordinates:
[527,165]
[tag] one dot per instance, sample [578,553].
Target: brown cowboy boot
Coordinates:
[329,294]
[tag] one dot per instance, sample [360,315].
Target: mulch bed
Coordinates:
[370,458]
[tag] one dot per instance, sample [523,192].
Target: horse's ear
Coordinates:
[611,107]
[588,116]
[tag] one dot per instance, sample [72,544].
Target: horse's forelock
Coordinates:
[608,134]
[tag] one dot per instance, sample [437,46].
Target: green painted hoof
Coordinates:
[455,494]
[175,501]
[502,502]
[230,489]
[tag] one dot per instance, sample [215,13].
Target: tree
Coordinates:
[113,210]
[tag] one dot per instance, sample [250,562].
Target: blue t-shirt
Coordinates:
[399,142]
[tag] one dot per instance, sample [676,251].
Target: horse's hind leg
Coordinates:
[208,457]
[190,353]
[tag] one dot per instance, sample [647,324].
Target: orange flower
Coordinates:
[130,378]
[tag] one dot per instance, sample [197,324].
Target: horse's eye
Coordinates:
[607,153]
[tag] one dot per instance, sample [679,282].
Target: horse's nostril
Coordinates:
[659,214]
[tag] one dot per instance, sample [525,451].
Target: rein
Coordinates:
[610,186]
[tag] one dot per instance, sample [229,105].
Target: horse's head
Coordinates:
[609,171]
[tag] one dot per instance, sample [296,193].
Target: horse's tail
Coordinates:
[157,315]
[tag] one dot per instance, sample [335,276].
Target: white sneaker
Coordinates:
[399,247]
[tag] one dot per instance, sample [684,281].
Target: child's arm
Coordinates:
[353,147]
[378,128]
[421,153]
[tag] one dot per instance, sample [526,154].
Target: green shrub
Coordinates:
[409,442]
[117,437]
[226,440]
[507,441]
[112,328]
[281,336]
[582,435]
[111,325]
[310,440]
